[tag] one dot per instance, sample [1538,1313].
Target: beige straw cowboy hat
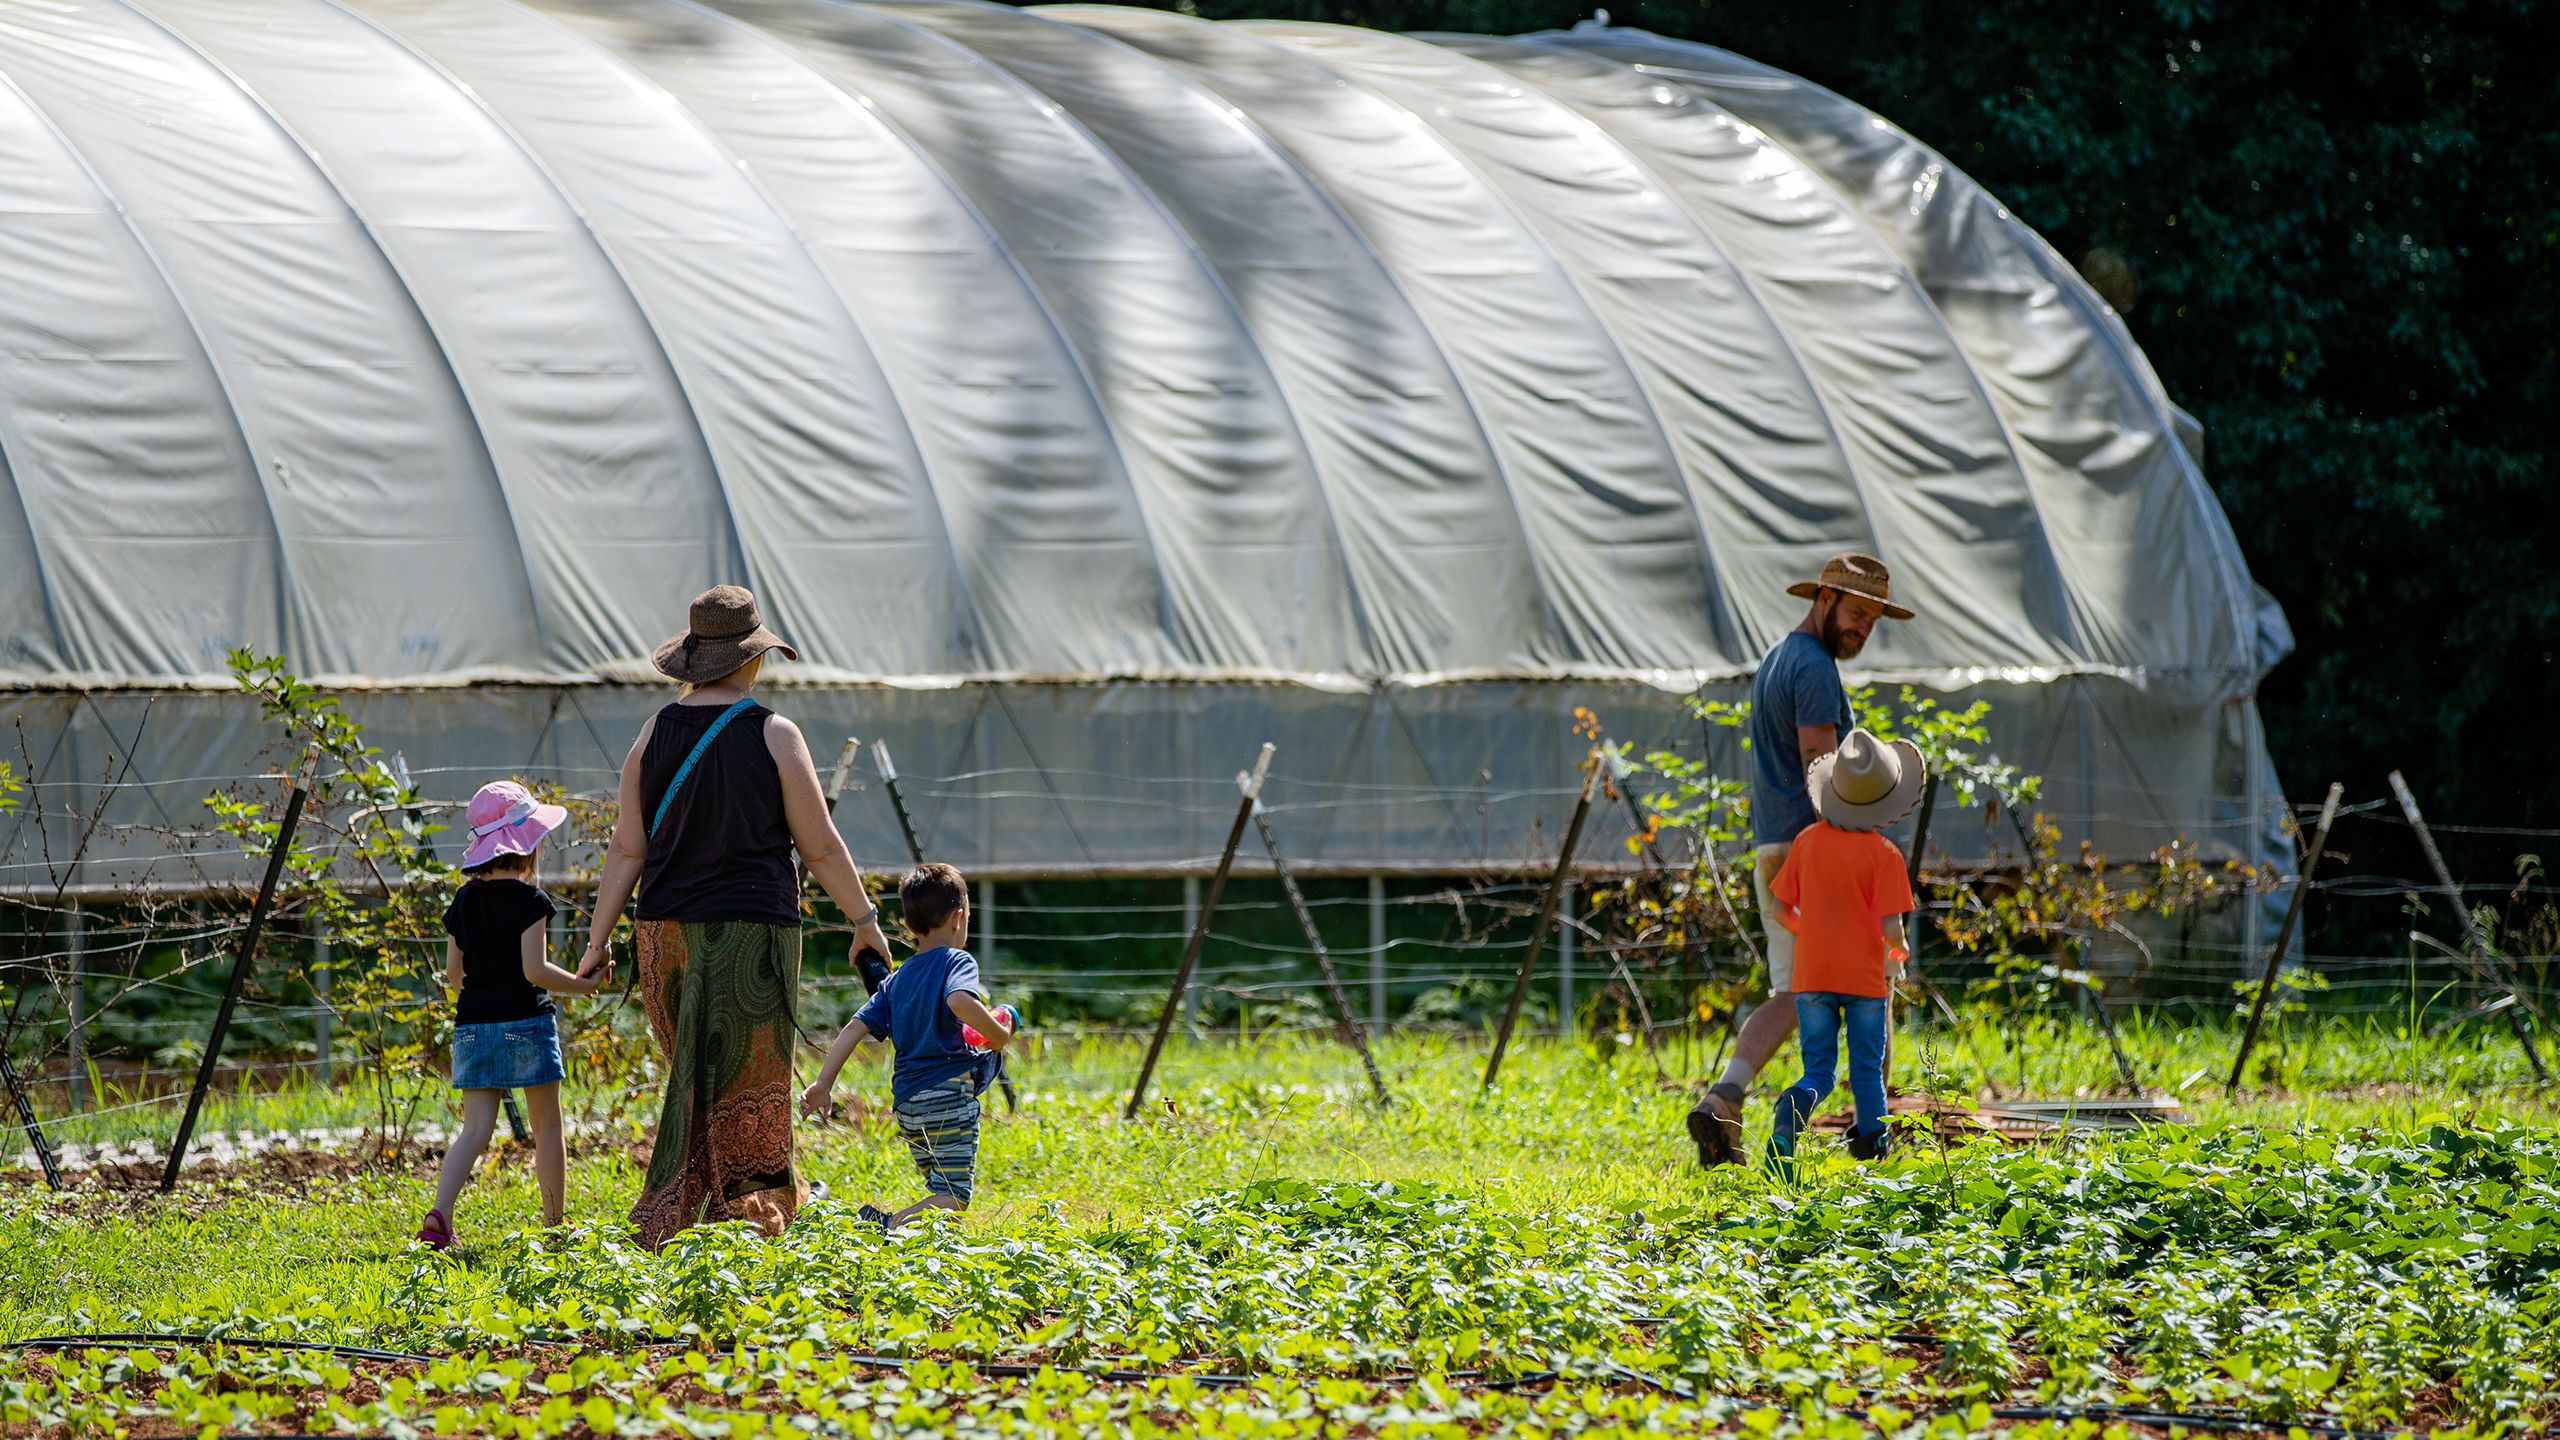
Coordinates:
[726,632]
[1861,575]
[1867,783]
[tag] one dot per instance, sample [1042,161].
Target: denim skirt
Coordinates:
[507,1054]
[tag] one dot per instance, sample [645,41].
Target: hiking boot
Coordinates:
[1716,1125]
[1870,1147]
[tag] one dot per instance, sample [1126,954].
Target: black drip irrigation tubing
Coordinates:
[2222,1422]
[135,1340]
[1006,1369]
[2166,1419]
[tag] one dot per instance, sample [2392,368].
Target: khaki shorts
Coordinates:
[1781,942]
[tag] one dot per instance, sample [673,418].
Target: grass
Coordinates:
[1533,1229]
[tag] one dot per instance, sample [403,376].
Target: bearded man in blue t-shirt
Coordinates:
[1799,711]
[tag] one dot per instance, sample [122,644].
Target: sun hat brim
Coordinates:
[1808,590]
[519,838]
[1896,803]
[712,659]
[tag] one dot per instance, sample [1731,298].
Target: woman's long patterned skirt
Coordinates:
[720,1000]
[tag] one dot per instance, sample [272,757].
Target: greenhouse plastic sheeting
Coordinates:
[1123,776]
[453,343]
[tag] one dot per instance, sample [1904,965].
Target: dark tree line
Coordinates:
[2334,230]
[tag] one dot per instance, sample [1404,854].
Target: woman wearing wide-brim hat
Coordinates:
[718,793]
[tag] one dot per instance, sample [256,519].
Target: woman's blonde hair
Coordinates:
[753,668]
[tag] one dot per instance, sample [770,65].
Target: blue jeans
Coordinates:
[1820,1014]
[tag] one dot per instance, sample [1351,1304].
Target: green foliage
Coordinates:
[2024,918]
[1716,809]
[1950,742]
[11,788]
[2367,1276]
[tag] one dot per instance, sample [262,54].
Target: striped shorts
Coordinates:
[941,1129]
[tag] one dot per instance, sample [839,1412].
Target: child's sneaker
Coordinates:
[436,1232]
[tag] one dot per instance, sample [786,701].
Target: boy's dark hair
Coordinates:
[500,864]
[930,895]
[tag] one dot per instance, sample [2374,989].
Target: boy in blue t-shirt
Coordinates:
[920,1010]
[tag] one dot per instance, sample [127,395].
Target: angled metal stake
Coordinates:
[2481,960]
[1546,919]
[1352,1029]
[915,852]
[27,1119]
[898,801]
[239,981]
[1919,846]
[2284,935]
[1250,782]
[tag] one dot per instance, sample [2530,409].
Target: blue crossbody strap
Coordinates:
[686,769]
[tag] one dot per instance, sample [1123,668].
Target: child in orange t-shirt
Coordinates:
[1842,893]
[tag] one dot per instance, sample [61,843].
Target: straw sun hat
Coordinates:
[1867,783]
[1862,575]
[726,631]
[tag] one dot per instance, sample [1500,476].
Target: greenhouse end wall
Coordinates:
[1124,778]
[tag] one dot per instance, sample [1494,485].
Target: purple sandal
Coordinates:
[437,1232]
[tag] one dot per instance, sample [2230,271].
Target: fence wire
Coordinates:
[103,991]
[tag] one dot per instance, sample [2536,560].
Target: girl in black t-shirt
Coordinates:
[505,1032]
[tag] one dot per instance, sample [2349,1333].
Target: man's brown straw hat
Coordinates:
[1862,575]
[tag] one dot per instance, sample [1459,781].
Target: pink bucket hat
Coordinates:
[504,820]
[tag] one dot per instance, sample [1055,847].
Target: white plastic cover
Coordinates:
[427,342]
[463,339]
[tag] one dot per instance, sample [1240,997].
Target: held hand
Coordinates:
[873,968]
[869,934]
[818,1101]
[597,960]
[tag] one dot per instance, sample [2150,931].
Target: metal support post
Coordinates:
[915,852]
[2477,946]
[1546,918]
[1250,782]
[27,1119]
[1920,903]
[897,799]
[323,1015]
[239,981]
[1564,963]
[1377,952]
[1351,1029]
[75,932]
[1190,922]
[2284,935]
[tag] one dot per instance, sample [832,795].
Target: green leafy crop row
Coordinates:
[2364,1279]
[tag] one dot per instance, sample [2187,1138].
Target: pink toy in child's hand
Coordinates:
[1006,1016]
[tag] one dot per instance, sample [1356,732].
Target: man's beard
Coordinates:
[1842,642]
